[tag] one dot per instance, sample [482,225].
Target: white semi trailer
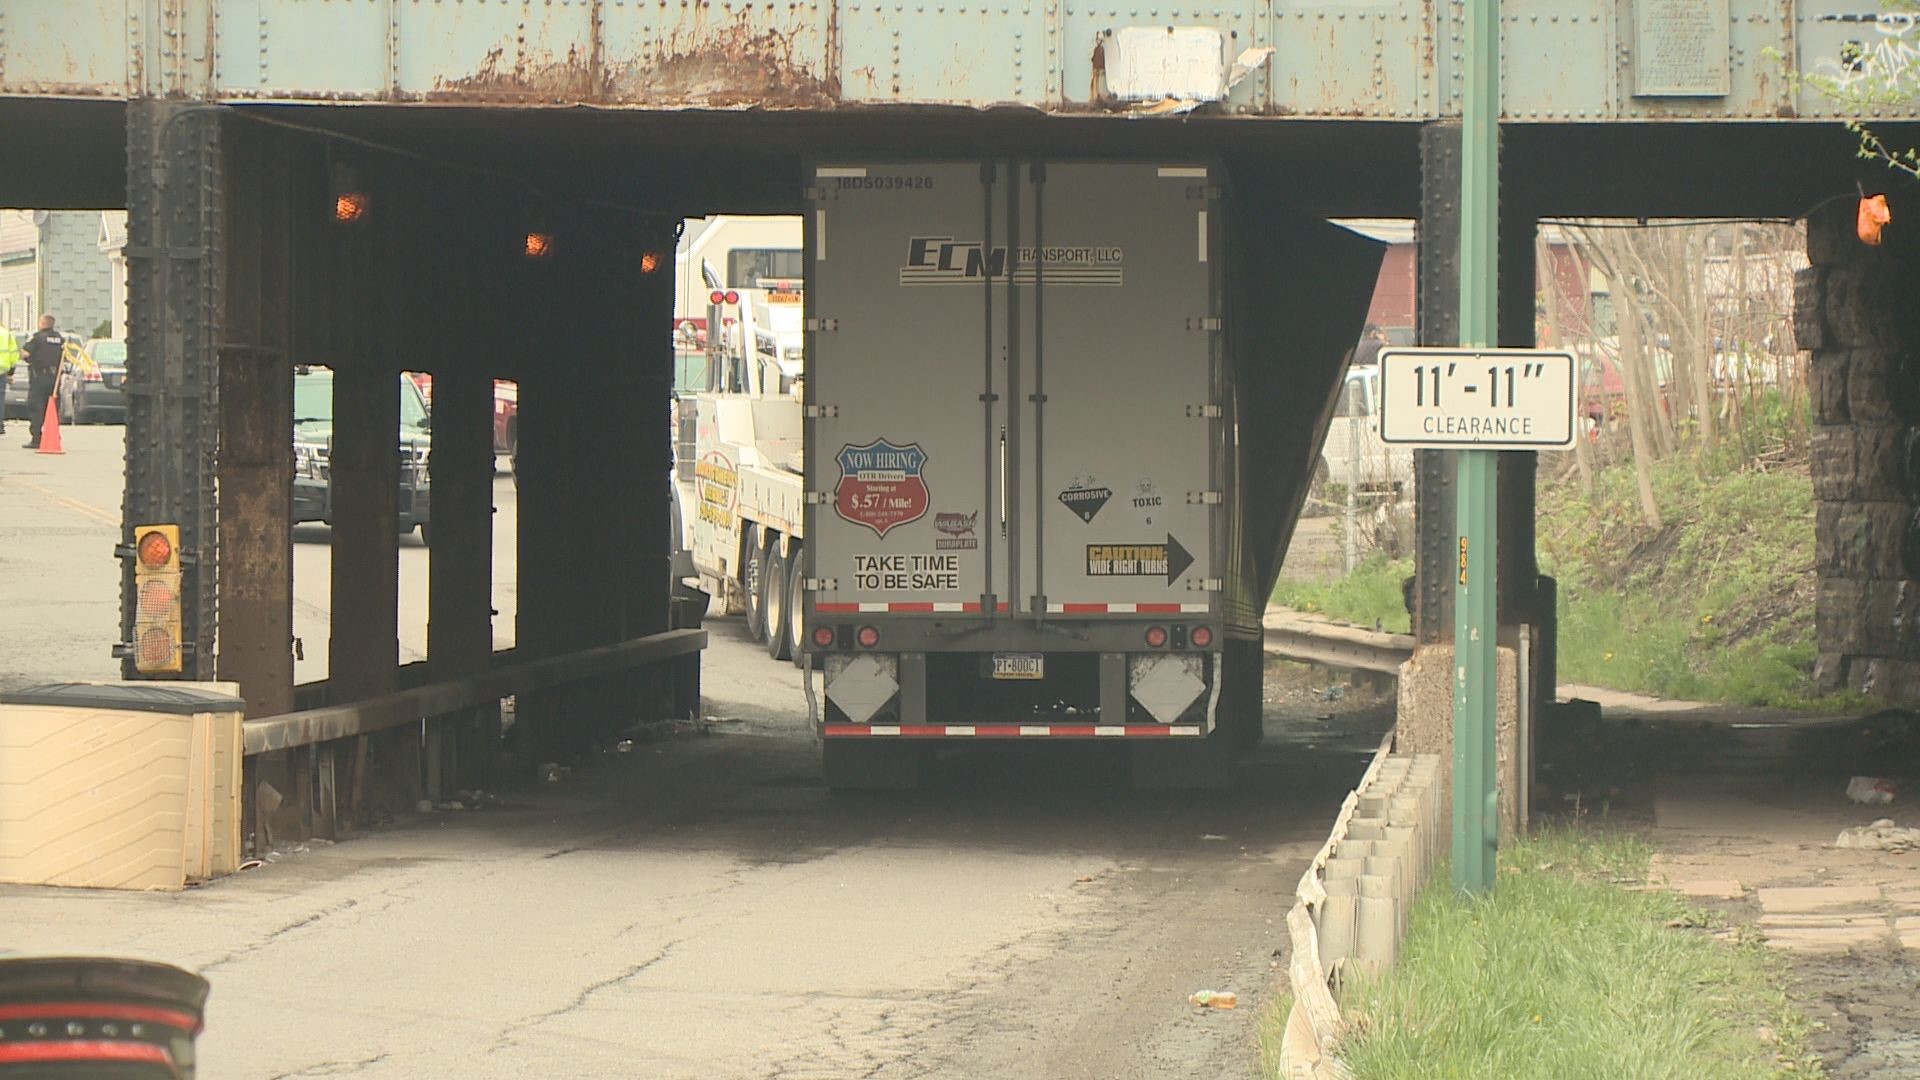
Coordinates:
[1038,503]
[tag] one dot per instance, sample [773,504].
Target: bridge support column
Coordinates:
[365,647]
[175,273]
[1426,682]
[1855,310]
[553,404]
[460,613]
[255,470]
[646,454]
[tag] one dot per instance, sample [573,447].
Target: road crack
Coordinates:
[335,1068]
[579,1000]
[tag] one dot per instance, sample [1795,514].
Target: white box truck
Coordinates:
[1038,505]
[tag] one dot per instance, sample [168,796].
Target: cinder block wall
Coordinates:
[1857,310]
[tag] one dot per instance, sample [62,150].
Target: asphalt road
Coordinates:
[60,585]
[700,906]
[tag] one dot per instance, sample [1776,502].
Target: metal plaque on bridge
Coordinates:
[1681,48]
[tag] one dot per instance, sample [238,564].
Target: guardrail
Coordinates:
[310,726]
[1351,906]
[1313,640]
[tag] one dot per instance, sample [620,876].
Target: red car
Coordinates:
[506,410]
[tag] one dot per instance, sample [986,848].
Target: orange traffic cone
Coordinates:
[50,429]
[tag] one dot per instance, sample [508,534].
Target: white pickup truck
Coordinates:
[1353,454]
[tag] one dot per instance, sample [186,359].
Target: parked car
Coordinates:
[506,410]
[313,452]
[73,364]
[100,393]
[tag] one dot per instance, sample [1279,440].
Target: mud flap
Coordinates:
[1242,694]
[1184,764]
[872,764]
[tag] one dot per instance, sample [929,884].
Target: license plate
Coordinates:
[1019,666]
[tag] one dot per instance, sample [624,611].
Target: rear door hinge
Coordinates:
[817,412]
[816,498]
[820,584]
[819,325]
[1203,498]
[1203,412]
[1212,584]
[1203,323]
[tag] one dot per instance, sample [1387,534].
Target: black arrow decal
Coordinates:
[1177,559]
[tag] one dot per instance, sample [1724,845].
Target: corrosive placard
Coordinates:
[1492,399]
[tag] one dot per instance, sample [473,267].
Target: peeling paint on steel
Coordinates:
[1332,59]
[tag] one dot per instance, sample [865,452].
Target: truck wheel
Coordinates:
[796,610]
[779,612]
[750,575]
[871,765]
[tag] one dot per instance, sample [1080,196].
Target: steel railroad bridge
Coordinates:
[222,127]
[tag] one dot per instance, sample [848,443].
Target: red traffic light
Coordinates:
[155,550]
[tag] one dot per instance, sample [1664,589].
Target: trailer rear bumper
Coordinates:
[1081,695]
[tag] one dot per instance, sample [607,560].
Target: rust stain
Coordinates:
[570,79]
[742,62]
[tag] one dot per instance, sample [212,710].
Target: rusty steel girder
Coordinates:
[1564,61]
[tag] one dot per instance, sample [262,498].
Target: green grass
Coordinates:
[1564,973]
[1368,595]
[1715,606]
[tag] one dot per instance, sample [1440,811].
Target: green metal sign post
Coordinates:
[1476,829]
[1477,400]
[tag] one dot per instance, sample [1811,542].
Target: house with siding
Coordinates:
[56,261]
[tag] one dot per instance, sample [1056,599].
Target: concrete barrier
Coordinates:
[1351,907]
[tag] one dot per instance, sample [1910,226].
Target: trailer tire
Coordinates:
[775,592]
[752,573]
[796,611]
[871,765]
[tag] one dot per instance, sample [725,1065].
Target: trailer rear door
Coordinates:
[905,385]
[1120,373]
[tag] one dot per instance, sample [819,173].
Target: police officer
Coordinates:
[43,354]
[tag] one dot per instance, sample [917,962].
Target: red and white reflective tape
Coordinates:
[902,607]
[1128,609]
[1013,731]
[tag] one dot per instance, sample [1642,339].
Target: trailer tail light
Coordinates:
[868,637]
[716,297]
[1156,637]
[823,637]
[1202,637]
[732,297]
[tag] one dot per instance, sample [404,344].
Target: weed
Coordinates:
[1561,972]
